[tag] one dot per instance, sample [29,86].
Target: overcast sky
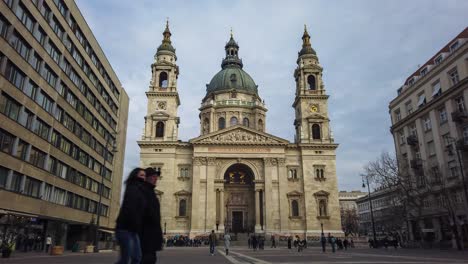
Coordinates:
[367,50]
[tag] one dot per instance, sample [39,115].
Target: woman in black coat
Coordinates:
[130,219]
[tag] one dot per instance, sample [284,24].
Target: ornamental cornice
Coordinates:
[211,161]
[151,143]
[198,161]
[281,161]
[270,161]
[318,146]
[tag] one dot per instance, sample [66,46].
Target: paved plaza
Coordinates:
[244,255]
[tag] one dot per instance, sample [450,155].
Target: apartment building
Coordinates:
[63,119]
[430,131]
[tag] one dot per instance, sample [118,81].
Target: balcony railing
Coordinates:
[459,116]
[412,140]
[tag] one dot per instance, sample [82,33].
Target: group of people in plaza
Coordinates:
[138,227]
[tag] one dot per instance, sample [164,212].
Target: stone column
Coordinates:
[210,194]
[222,213]
[197,207]
[283,203]
[257,211]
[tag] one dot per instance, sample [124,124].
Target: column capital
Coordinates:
[211,161]
[270,161]
[197,161]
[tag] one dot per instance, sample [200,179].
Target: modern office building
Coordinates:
[430,129]
[63,118]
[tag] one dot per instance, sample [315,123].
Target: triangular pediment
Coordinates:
[321,193]
[317,116]
[294,193]
[182,193]
[159,114]
[239,134]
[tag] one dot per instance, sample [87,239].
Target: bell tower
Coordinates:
[161,120]
[311,101]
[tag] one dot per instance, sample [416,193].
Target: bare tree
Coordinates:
[349,221]
[415,186]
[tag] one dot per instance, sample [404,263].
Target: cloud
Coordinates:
[367,49]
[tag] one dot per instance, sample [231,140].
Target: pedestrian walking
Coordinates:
[273,241]
[151,233]
[323,241]
[227,242]
[249,242]
[345,244]
[254,243]
[212,241]
[333,243]
[352,243]
[130,219]
[300,245]
[48,243]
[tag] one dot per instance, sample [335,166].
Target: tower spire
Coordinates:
[306,46]
[166,44]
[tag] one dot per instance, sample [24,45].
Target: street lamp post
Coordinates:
[101,187]
[371,209]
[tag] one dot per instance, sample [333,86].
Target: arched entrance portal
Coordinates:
[240,195]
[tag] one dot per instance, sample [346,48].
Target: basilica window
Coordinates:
[160,129]
[294,208]
[163,82]
[184,172]
[316,131]
[245,122]
[183,207]
[319,172]
[206,126]
[233,121]
[260,124]
[293,173]
[221,123]
[311,82]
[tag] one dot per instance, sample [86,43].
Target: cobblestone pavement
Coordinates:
[244,255]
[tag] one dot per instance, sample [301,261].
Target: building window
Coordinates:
[436,174]
[443,115]
[45,101]
[402,137]
[311,84]
[16,179]
[438,60]
[4,25]
[41,129]
[163,82]
[454,171]
[460,103]
[49,75]
[32,187]
[221,123]
[233,121]
[427,123]
[15,75]
[6,141]
[160,129]
[411,81]
[424,71]
[183,207]
[245,122]
[397,115]
[431,148]
[260,125]
[294,208]
[436,89]
[292,174]
[421,100]
[316,131]
[184,172]
[413,130]
[20,45]
[35,60]
[26,18]
[9,107]
[3,176]
[37,158]
[454,46]
[409,108]
[453,76]
[53,51]
[319,172]
[22,149]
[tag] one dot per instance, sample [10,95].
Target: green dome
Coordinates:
[232,77]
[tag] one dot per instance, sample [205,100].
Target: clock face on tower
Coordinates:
[313,108]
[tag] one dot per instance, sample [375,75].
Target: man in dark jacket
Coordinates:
[151,233]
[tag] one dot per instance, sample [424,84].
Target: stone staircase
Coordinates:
[239,240]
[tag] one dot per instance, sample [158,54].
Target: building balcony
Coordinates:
[459,116]
[462,144]
[416,163]
[412,140]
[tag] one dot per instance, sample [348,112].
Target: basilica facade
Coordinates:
[235,176]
